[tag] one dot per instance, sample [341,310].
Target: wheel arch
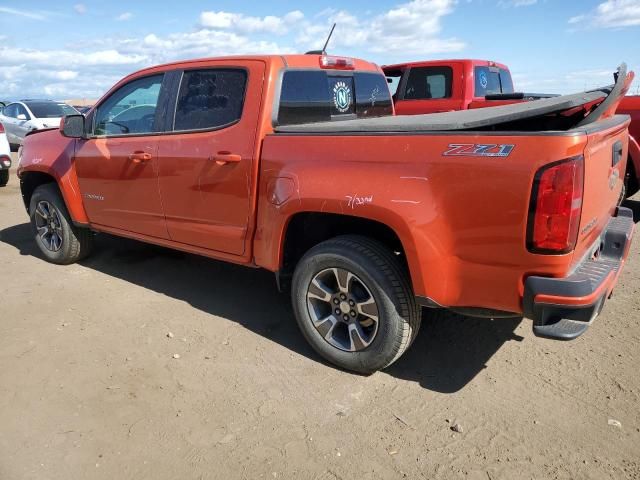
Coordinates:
[32,179]
[305,229]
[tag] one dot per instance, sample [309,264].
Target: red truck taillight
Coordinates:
[1,128]
[556,205]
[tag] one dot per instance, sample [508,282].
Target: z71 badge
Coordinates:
[479,150]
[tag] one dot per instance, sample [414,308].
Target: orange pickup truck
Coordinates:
[296,164]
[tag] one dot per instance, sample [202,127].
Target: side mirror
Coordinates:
[21,116]
[72,126]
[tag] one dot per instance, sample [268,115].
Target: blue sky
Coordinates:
[72,49]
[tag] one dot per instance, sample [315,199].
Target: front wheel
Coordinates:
[354,304]
[4,177]
[59,240]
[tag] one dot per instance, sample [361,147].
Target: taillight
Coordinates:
[1,128]
[556,205]
[339,63]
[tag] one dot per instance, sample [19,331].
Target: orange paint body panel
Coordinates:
[231,193]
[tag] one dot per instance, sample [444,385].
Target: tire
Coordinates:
[386,328]
[631,186]
[58,239]
[4,177]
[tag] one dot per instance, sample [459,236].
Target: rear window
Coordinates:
[492,80]
[425,83]
[318,96]
[51,109]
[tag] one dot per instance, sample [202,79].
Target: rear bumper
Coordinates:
[563,308]
[5,162]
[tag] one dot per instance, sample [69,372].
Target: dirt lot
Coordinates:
[89,388]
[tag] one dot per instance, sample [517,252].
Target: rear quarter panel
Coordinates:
[461,219]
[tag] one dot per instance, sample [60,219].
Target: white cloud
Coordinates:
[62,74]
[123,17]
[248,24]
[610,14]
[23,13]
[64,58]
[80,8]
[409,28]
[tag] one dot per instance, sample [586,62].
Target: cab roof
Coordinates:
[291,61]
[427,63]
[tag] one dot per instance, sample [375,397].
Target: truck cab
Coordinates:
[445,85]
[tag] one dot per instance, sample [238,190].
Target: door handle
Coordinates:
[140,157]
[222,158]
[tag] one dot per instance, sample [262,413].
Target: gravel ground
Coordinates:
[90,386]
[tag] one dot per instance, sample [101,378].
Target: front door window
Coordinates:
[131,110]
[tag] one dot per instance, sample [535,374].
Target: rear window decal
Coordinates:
[342,96]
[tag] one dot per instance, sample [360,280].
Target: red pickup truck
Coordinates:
[444,85]
[296,164]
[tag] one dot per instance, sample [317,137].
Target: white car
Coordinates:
[20,118]
[5,158]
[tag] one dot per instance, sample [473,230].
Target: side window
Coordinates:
[429,83]
[20,110]
[131,109]
[211,98]
[10,111]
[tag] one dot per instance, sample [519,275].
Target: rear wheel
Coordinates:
[59,240]
[631,180]
[4,177]
[354,304]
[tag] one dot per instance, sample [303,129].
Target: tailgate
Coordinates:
[605,160]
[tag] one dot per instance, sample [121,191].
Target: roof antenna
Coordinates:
[324,49]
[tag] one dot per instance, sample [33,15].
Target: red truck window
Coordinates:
[211,98]
[491,80]
[318,96]
[429,83]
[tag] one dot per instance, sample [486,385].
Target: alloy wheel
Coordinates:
[48,226]
[343,310]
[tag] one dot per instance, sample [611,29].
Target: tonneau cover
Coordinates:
[458,120]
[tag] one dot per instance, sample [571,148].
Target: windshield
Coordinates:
[51,109]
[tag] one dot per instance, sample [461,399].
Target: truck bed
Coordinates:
[452,121]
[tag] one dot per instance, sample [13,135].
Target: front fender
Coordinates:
[49,153]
